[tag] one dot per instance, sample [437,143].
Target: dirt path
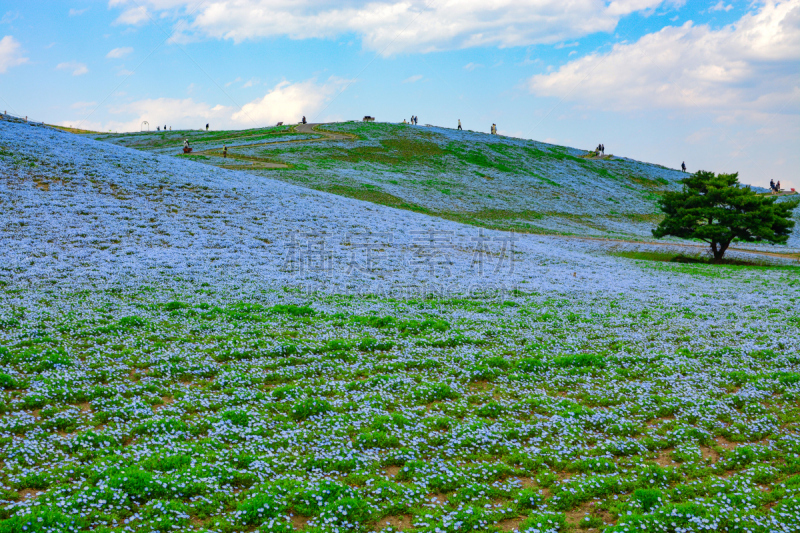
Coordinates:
[257,163]
[679,245]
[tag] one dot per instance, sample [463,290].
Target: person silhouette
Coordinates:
[683,166]
[459,124]
[206,127]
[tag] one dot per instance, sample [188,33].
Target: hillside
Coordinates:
[191,348]
[494,181]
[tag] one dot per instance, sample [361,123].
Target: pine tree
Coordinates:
[717,209]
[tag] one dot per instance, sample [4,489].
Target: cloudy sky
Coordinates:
[714,83]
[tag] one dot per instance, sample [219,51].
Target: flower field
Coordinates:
[189,348]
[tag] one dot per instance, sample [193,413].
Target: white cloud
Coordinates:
[117,53]
[9,17]
[10,53]
[749,66]
[133,17]
[412,79]
[472,66]
[394,26]
[76,12]
[77,69]
[286,102]
[720,6]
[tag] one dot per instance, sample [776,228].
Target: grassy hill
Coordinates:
[492,181]
[190,348]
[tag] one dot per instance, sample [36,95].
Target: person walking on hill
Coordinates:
[206,127]
[771,186]
[683,166]
[225,151]
[603,149]
[778,186]
[459,124]
[304,119]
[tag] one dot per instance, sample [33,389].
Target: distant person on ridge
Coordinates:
[683,166]
[304,119]
[778,186]
[603,149]
[158,128]
[459,124]
[771,185]
[224,151]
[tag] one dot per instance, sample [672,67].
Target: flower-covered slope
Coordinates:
[162,368]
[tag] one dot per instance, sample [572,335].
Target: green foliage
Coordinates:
[648,499]
[310,407]
[530,499]
[347,510]
[239,418]
[137,484]
[41,521]
[531,364]
[372,345]
[581,360]
[544,522]
[717,209]
[292,310]
[7,382]
[258,508]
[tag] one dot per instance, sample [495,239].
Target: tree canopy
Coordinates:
[717,209]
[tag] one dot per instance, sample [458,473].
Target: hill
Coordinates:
[493,181]
[192,348]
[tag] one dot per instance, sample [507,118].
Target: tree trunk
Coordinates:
[719,250]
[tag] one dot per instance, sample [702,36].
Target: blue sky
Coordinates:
[716,84]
